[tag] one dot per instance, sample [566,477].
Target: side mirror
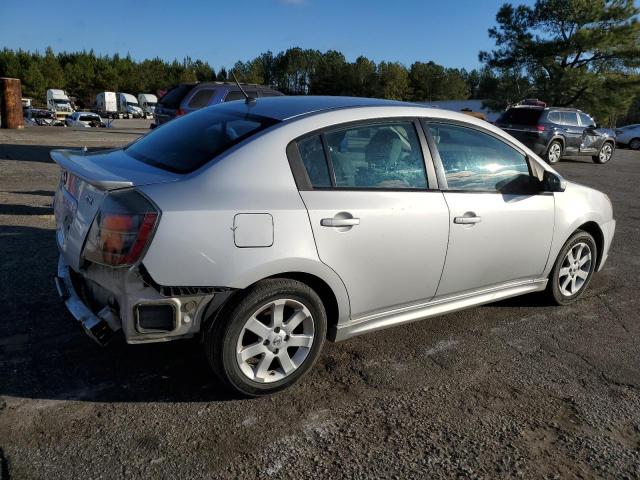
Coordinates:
[552,182]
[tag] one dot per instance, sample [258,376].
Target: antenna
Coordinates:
[247,98]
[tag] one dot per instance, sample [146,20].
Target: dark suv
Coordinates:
[554,133]
[187,97]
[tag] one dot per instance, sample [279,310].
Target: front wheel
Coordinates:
[605,153]
[554,152]
[573,269]
[267,339]
[634,144]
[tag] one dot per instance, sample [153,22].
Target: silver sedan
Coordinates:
[268,226]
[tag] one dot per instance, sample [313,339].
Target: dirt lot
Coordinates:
[512,389]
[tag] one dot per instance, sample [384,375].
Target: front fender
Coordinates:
[574,207]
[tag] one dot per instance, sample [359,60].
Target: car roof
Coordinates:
[286,107]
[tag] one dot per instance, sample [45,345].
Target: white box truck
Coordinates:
[106,104]
[128,105]
[58,101]
[147,102]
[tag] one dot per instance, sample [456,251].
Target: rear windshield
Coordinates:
[521,116]
[186,143]
[173,97]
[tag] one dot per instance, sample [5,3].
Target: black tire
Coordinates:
[553,287]
[222,338]
[550,156]
[634,143]
[605,153]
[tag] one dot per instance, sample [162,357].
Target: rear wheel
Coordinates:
[554,152]
[267,340]
[605,153]
[573,269]
[634,144]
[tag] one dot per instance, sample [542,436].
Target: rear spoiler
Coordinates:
[82,167]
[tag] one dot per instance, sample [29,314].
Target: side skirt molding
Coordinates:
[414,313]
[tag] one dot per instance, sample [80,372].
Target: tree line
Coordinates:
[581,53]
[295,71]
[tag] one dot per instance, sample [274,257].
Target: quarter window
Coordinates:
[315,162]
[476,161]
[378,155]
[554,117]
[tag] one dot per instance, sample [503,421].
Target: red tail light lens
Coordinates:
[179,112]
[540,128]
[121,230]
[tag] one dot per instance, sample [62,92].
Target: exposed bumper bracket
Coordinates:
[101,327]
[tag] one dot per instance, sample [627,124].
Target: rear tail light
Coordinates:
[540,128]
[179,112]
[121,230]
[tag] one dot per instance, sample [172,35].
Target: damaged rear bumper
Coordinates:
[121,302]
[100,327]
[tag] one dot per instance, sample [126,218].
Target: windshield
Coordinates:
[188,142]
[89,118]
[521,116]
[151,104]
[60,101]
[132,104]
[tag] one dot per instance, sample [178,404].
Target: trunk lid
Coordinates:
[86,178]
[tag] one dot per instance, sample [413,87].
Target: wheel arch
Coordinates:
[559,138]
[335,304]
[595,231]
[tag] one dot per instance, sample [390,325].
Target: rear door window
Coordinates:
[238,95]
[569,118]
[201,98]
[477,161]
[188,142]
[380,155]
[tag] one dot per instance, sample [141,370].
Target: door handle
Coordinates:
[467,220]
[339,222]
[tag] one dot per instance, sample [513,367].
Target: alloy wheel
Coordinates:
[275,340]
[555,151]
[575,269]
[605,152]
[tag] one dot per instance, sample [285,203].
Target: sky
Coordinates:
[450,33]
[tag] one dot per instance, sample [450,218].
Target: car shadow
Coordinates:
[17,209]
[34,153]
[45,355]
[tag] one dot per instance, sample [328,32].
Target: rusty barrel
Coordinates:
[11,103]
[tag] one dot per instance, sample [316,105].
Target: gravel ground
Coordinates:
[514,389]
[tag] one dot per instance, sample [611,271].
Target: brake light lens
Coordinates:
[179,112]
[121,230]
[540,128]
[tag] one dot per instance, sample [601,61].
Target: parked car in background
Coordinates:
[554,133]
[84,120]
[269,226]
[188,97]
[41,117]
[147,102]
[629,136]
